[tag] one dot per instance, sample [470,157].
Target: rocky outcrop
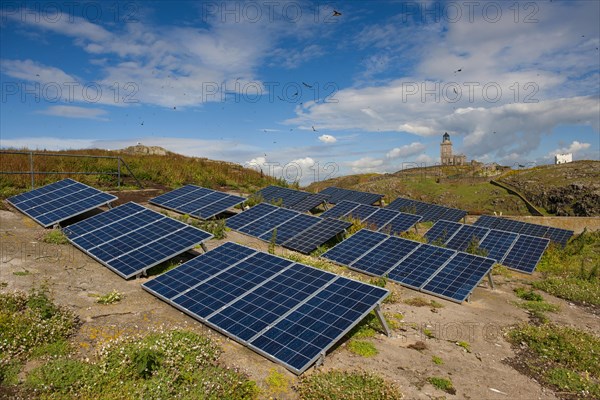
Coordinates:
[147,150]
[574,200]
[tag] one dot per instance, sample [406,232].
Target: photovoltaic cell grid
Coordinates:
[500,245]
[59,201]
[436,270]
[288,312]
[197,201]
[131,238]
[296,231]
[376,218]
[338,194]
[429,212]
[293,199]
[556,235]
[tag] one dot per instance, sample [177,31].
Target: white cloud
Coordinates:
[575,148]
[301,169]
[75,112]
[327,139]
[46,143]
[366,164]
[406,150]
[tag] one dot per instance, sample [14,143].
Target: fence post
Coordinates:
[31,168]
[119,173]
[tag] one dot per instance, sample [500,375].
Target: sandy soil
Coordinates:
[483,373]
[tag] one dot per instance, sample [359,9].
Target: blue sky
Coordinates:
[288,87]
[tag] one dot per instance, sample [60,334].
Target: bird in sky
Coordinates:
[307,85]
[313,128]
[458,70]
[336,13]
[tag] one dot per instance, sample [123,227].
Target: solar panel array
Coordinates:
[557,235]
[197,201]
[516,251]
[288,312]
[376,218]
[442,272]
[292,199]
[58,201]
[294,230]
[429,212]
[337,195]
[131,238]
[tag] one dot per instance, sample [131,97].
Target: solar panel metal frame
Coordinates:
[196,213]
[280,318]
[54,222]
[146,267]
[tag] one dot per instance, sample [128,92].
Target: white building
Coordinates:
[563,158]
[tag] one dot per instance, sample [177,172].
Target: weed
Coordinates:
[345,385]
[362,348]
[528,295]
[216,227]
[277,383]
[412,235]
[21,273]
[437,360]
[442,384]
[55,236]
[473,248]
[380,281]
[429,333]
[464,345]
[109,298]
[273,242]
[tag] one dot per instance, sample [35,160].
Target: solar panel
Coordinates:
[384,256]
[351,249]
[457,279]
[130,239]
[246,217]
[316,235]
[289,312]
[338,194]
[429,212]
[420,265]
[452,214]
[557,235]
[401,223]
[269,193]
[380,218]
[526,253]
[497,243]
[59,201]
[291,228]
[197,201]
[340,209]
[362,212]
[267,224]
[442,231]
[465,235]
[310,202]
[401,204]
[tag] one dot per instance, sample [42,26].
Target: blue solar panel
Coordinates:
[442,231]
[59,201]
[380,218]
[263,225]
[429,212]
[557,235]
[457,279]
[269,192]
[526,253]
[487,221]
[497,243]
[291,228]
[420,265]
[246,217]
[465,235]
[197,201]
[310,202]
[401,223]
[316,235]
[130,239]
[401,204]
[289,312]
[362,212]
[451,214]
[534,230]
[338,195]
[340,209]
[355,246]
[384,256]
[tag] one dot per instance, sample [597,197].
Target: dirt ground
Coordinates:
[483,373]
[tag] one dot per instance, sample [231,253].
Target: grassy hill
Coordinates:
[154,170]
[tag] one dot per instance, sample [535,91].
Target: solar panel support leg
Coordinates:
[382,321]
[491,280]
[204,247]
[321,360]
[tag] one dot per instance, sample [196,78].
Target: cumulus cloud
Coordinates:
[327,139]
[75,112]
[406,150]
[366,164]
[298,170]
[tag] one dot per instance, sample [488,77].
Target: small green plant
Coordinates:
[345,385]
[380,281]
[109,298]
[55,236]
[464,345]
[21,273]
[528,295]
[429,333]
[362,348]
[437,360]
[216,227]
[273,242]
[473,248]
[277,383]
[147,360]
[535,304]
[443,384]
[412,235]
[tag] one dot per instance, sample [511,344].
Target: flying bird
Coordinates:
[307,85]
[279,97]
[174,108]
[313,128]
[455,92]
[142,123]
[458,70]
[336,13]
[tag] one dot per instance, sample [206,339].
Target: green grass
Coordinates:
[573,273]
[345,385]
[55,236]
[437,360]
[563,357]
[362,348]
[159,365]
[443,384]
[465,345]
[277,383]
[109,298]
[21,273]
